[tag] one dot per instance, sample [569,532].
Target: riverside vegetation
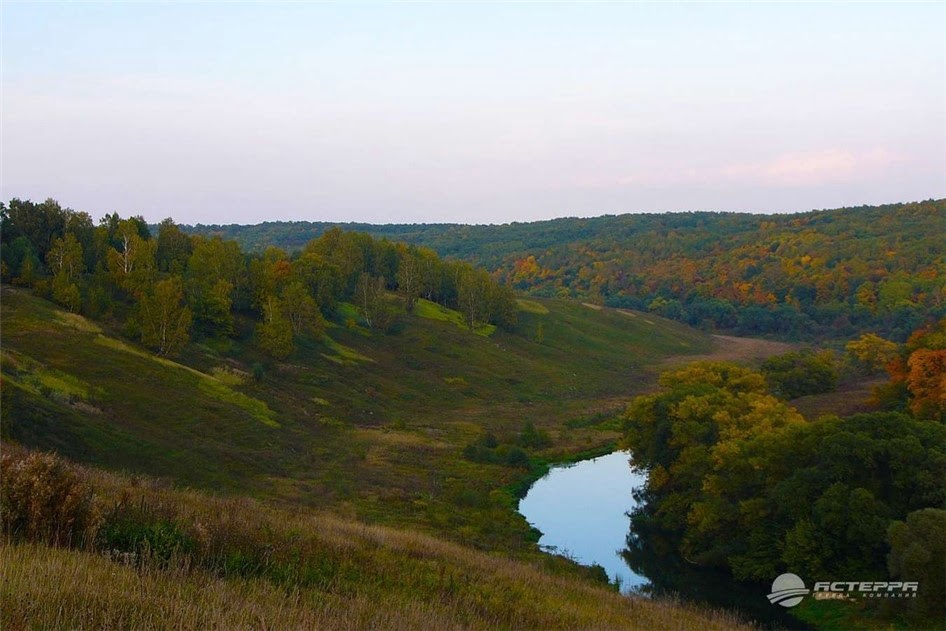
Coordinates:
[740,480]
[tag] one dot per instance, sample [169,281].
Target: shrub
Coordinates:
[138,533]
[45,499]
[478,453]
[259,371]
[794,375]
[517,457]
[533,438]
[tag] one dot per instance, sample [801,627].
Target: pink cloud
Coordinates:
[812,168]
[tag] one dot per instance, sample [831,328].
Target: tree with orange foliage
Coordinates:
[926,382]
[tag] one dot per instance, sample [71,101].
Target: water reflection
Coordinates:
[583,512]
[582,509]
[651,555]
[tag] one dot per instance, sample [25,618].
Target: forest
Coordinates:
[827,274]
[164,286]
[739,480]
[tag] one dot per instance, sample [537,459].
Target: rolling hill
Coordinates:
[820,274]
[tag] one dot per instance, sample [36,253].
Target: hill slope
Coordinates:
[366,426]
[186,560]
[372,426]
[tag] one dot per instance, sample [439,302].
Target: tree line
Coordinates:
[822,274]
[165,286]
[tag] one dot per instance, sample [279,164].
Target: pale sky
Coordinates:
[221,112]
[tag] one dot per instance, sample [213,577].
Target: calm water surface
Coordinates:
[582,509]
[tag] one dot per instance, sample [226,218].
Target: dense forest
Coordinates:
[821,274]
[739,480]
[165,287]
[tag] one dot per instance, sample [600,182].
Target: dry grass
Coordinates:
[251,565]
[730,348]
[52,588]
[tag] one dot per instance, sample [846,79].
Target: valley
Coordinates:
[371,427]
[372,386]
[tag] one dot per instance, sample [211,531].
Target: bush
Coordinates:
[517,457]
[794,375]
[259,371]
[138,534]
[45,499]
[533,438]
[475,452]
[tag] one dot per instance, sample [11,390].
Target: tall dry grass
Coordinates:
[163,558]
[50,588]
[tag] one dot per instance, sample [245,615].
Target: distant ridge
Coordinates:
[824,273]
[485,241]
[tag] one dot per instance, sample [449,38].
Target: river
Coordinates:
[581,510]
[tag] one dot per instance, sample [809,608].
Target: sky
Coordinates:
[227,112]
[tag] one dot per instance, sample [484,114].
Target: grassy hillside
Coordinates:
[346,434]
[373,426]
[159,558]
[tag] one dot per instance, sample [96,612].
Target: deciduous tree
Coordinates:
[165,319]
[274,333]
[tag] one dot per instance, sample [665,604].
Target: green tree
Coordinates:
[302,311]
[20,256]
[369,296]
[214,270]
[741,481]
[40,224]
[174,247]
[131,262]
[409,280]
[65,257]
[473,287]
[81,226]
[165,319]
[66,293]
[871,353]
[917,553]
[794,375]
[322,279]
[274,333]
[503,309]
